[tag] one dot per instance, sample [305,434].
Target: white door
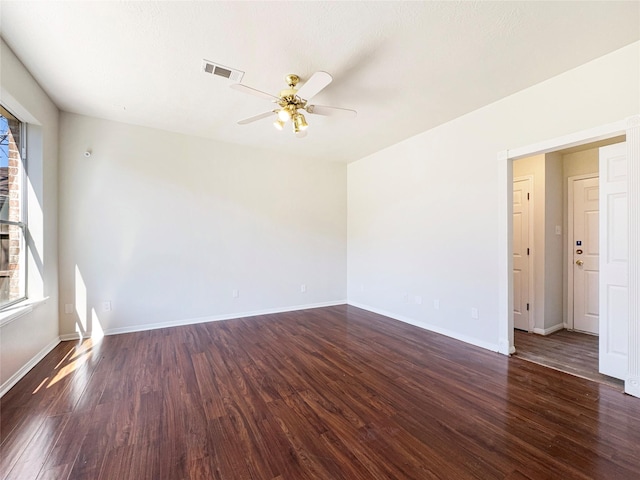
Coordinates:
[521,197]
[614,307]
[585,255]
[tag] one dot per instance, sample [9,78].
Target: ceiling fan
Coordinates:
[291,100]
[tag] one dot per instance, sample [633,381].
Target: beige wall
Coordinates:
[553,284]
[580,163]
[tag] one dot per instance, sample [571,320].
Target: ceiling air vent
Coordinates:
[222,71]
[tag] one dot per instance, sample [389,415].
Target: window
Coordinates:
[12,226]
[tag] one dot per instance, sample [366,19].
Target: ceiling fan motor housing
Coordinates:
[288,92]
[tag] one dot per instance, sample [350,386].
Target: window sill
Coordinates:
[20,309]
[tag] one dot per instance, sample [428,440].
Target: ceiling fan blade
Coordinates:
[314,85]
[255,117]
[301,134]
[252,91]
[330,111]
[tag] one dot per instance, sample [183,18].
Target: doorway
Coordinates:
[630,128]
[565,262]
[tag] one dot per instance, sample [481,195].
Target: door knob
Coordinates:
[579,263]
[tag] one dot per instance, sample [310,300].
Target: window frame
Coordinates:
[22,223]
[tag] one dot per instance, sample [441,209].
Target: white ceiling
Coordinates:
[404,66]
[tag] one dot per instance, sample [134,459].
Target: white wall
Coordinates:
[423,214]
[165,226]
[31,335]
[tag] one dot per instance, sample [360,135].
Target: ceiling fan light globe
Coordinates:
[279,124]
[303,122]
[283,115]
[300,122]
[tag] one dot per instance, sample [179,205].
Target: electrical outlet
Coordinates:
[436,304]
[303,288]
[106,306]
[68,308]
[235,293]
[405,297]
[474,313]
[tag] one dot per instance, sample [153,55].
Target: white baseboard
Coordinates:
[550,330]
[69,336]
[6,386]
[213,318]
[494,347]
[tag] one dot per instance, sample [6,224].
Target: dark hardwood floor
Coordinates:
[331,393]
[571,352]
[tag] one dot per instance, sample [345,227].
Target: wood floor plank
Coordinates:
[94,444]
[65,451]
[60,472]
[330,393]
[137,461]
[32,459]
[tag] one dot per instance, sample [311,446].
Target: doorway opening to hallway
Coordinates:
[556,258]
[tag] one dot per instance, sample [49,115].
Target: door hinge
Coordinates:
[527,251]
[527,307]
